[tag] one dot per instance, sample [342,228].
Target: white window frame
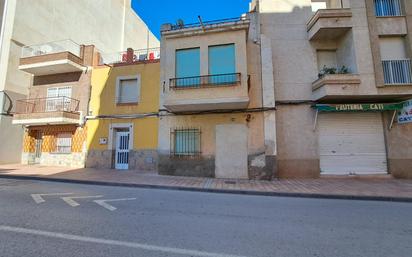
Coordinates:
[66,136]
[138,85]
[58,89]
[51,100]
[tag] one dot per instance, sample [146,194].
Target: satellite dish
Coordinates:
[180,23]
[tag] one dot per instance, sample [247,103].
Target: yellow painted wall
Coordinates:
[144,132]
[103,94]
[102,102]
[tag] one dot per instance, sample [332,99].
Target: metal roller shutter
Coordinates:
[352,143]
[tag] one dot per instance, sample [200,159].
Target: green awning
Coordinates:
[372,107]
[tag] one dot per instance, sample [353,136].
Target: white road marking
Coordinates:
[114,242]
[39,199]
[104,203]
[69,199]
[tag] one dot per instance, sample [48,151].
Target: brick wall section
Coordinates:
[45,115]
[49,137]
[50,58]
[80,83]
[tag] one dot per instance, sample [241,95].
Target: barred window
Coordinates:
[64,143]
[186,142]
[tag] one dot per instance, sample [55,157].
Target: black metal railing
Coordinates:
[206,23]
[49,104]
[230,79]
[185,142]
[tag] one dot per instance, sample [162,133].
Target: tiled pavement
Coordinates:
[383,187]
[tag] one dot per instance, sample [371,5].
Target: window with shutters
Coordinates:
[64,143]
[128,90]
[188,67]
[222,64]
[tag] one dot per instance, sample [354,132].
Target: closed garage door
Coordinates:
[351,143]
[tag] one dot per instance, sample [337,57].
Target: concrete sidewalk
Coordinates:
[362,188]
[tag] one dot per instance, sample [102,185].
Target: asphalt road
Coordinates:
[153,222]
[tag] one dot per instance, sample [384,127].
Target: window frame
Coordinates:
[196,145]
[234,58]
[52,103]
[58,147]
[119,79]
[397,11]
[191,79]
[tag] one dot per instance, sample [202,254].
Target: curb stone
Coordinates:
[212,190]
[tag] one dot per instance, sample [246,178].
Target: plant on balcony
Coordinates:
[332,70]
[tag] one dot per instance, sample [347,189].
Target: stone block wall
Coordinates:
[140,160]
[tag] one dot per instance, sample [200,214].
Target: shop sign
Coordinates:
[405,114]
[374,107]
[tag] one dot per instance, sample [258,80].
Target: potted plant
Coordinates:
[332,70]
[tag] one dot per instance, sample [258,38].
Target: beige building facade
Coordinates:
[212,107]
[342,74]
[110,25]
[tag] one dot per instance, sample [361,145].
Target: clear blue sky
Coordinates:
[155,13]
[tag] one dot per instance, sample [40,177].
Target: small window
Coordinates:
[186,142]
[64,143]
[128,90]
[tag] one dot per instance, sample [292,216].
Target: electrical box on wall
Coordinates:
[103,140]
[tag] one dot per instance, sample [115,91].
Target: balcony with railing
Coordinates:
[389,8]
[180,27]
[130,56]
[50,110]
[390,18]
[330,21]
[219,80]
[397,72]
[51,58]
[335,86]
[210,92]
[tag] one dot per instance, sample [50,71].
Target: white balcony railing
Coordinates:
[397,72]
[388,8]
[51,48]
[138,55]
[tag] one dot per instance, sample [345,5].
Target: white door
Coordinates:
[231,151]
[122,150]
[352,143]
